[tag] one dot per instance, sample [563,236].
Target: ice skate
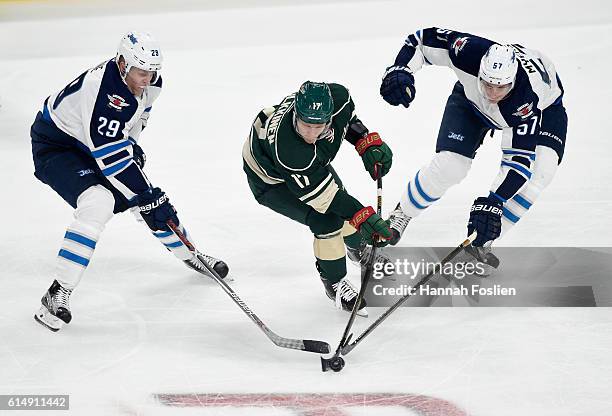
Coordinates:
[55,309]
[197,263]
[359,257]
[398,221]
[344,294]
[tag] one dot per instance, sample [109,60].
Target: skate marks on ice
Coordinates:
[314,404]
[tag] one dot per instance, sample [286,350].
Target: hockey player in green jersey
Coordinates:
[287,159]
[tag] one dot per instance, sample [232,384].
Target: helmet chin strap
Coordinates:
[122,74]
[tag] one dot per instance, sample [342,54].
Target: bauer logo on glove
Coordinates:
[152,205]
[372,139]
[487,208]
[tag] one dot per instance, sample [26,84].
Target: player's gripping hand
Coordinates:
[398,86]
[156,209]
[374,151]
[371,226]
[139,156]
[485,219]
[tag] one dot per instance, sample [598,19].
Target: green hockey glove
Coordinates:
[371,226]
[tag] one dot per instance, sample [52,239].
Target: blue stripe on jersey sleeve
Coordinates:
[117,167]
[110,149]
[530,155]
[522,201]
[518,167]
[509,215]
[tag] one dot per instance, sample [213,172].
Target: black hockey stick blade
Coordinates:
[319,347]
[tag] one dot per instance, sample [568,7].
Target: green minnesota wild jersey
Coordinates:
[275,154]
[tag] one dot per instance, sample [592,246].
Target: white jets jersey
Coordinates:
[98,110]
[537,86]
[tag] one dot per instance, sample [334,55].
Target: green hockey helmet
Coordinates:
[314,103]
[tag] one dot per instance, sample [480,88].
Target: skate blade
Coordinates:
[46,319]
[363,312]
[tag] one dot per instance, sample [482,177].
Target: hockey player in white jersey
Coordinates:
[500,87]
[84,145]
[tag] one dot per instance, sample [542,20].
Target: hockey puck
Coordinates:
[335,364]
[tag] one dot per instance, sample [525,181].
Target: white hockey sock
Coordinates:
[94,209]
[74,255]
[433,180]
[173,243]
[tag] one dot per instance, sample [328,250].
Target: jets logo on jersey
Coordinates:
[459,44]
[84,172]
[117,102]
[524,111]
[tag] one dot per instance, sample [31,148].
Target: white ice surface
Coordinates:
[144,324]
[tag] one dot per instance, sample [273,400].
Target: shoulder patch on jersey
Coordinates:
[117,102]
[524,111]
[459,44]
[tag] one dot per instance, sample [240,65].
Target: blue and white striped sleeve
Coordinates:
[514,172]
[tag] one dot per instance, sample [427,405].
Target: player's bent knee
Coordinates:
[95,205]
[545,167]
[322,224]
[329,246]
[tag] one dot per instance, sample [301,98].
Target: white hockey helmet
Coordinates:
[142,51]
[499,65]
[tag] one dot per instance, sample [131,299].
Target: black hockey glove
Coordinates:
[138,155]
[374,151]
[485,219]
[398,86]
[155,208]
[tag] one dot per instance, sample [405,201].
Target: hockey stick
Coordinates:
[349,347]
[309,345]
[336,363]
